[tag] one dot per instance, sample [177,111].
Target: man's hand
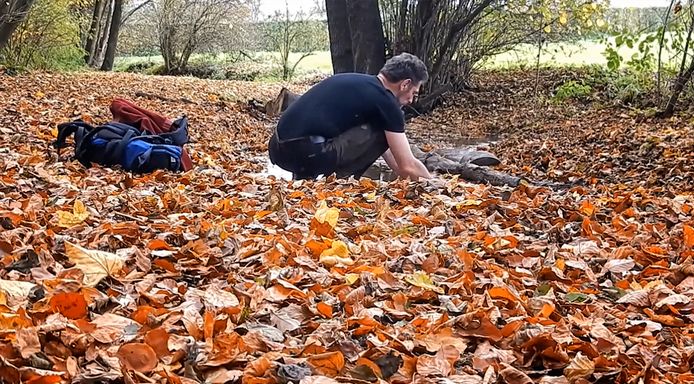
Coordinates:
[406,165]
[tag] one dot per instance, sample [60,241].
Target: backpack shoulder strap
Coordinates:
[78,127]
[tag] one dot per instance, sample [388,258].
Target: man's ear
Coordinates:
[405,84]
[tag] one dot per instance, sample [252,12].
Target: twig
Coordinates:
[129,217]
[660,50]
[537,65]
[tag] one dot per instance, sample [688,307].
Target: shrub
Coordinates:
[572,90]
[48,38]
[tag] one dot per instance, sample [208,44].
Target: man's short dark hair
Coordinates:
[405,66]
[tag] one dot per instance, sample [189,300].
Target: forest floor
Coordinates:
[223,274]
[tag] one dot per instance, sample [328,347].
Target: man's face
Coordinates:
[407,92]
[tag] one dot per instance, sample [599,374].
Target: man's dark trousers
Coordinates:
[349,154]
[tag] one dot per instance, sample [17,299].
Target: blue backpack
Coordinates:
[116,143]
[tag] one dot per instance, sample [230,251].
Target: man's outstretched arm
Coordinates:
[401,153]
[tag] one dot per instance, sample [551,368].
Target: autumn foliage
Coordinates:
[225,275]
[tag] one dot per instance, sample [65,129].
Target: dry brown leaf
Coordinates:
[638,298]
[318,380]
[674,299]
[619,265]
[580,367]
[512,375]
[328,364]
[223,376]
[158,339]
[70,304]
[433,366]
[688,236]
[138,356]
[95,264]
[14,293]
[28,342]
[111,327]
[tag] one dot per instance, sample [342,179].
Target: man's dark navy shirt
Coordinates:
[341,102]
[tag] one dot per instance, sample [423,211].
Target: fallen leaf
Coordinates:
[688,236]
[422,280]
[327,215]
[70,219]
[13,293]
[223,376]
[70,304]
[28,342]
[111,327]
[639,298]
[158,339]
[338,253]
[580,367]
[513,375]
[619,265]
[138,356]
[328,364]
[94,264]
[318,380]
[325,310]
[433,366]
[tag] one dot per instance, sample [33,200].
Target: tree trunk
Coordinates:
[97,57]
[92,36]
[683,77]
[113,36]
[12,13]
[681,81]
[340,36]
[368,42]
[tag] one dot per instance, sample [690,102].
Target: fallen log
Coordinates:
[469,164]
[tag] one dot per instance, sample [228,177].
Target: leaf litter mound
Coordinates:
[224,275]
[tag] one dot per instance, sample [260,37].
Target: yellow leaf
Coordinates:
[337,248]
[351,278]
[94,264]
[563,18]
[69,219]
[422,280]
[39,95]
[338,253]
[548,29]
[327,215]
[600,23]
[14,292]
